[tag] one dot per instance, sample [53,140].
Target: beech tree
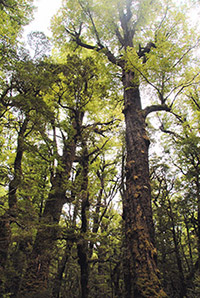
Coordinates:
[66,155]
[140,38]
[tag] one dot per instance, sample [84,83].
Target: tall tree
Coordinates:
[71,95]
[116,30]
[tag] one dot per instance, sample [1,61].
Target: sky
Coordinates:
[42,16]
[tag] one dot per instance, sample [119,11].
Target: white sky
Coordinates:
[42,16]
[45,9]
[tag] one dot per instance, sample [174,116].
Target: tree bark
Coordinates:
[35,281]
[82,245]
[141,276]
[60,272]
[142,279]
[11,213]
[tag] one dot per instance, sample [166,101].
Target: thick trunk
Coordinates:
[37,272]
[14,184]
[142,279]
[35,281]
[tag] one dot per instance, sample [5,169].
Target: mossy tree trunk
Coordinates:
[10,215]
[141,273]
[61,269]
[142,280]
[82,245]
[35,281]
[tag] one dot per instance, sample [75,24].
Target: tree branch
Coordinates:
[99,48]
[119,36]
[151,84]
[195,102]
[129,13]
[182,87]
[188,51]
[169,131]
[155,108]
[88,12]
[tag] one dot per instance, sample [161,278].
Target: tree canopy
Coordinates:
[100,151]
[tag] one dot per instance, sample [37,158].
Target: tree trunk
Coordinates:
[5,234]
[60,272]
[35,281]
[142,279]
[182,290]
[82,245]
[9,216]
[189,242]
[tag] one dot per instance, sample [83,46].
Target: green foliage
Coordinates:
[74,98]
[170,66]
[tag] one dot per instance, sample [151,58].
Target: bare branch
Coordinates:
[119,36]
[155,108]
[160,25]
[178,117]
[88,12]
[99,48]
[169,131]
[76,38]
[98,150]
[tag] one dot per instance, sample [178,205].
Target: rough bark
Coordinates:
[35,281]
[141,274]
[143,277]
[37,272]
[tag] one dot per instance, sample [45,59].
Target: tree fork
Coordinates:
[141,277]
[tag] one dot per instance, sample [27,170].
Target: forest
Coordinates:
[100,150]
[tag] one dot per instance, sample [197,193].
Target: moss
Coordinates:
[150,288]
[39,294]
